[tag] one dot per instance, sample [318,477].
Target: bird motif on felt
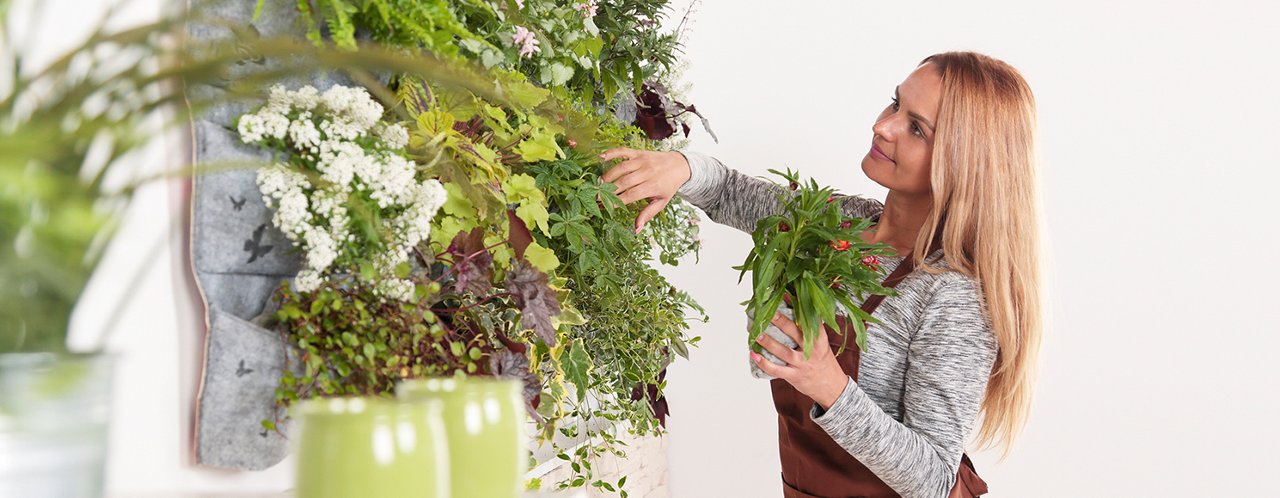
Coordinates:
[241,371]
[254,246]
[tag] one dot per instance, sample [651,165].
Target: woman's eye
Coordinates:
[915,129]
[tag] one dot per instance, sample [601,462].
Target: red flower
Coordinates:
[840,245]
[846,224]
[794,185]
[784,227]
[835,282]
[871,261]
[830,198]
[573,143]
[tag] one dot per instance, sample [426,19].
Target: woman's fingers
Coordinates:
[628,180]
[773,369]
[620,170]
[655,206]
[640,191]
[642,175]
[783,353]
[620,152]
[788,327]
[823,344]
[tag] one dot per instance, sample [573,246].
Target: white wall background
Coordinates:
[1157,126]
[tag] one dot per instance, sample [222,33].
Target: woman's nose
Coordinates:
[882,128]
[887,127]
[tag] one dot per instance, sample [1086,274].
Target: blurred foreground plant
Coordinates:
[67,131]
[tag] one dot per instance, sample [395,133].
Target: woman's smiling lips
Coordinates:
[878,154]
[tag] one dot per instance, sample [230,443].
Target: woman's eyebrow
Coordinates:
[912,113]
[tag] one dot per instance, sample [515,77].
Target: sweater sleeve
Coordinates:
[949,363]
[740,201]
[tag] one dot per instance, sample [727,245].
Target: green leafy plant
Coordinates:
[616,366]
[350,340]
[531,259]
[588,51]
[811,254]
[609,265]
[586,234]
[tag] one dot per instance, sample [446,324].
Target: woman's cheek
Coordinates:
[920,172]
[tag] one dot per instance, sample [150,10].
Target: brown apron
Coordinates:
[813,464]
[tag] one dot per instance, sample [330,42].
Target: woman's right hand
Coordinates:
[643,174]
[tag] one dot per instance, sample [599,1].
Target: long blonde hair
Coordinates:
[986,204]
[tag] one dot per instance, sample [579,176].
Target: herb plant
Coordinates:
[811,254]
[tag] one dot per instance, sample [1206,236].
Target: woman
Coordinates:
[955,148]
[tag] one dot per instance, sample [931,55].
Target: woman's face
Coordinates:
[904,134]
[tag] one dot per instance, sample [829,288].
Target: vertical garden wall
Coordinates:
[396,223]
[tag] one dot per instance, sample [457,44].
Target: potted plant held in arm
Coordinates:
[805,260]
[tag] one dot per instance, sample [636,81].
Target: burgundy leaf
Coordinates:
[509,364]
[657,402]
[655,126]
[533,295]
[519,235]
[510,344]
[653,114]
[473,267]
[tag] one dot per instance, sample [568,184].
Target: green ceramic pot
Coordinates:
[485,420]
[364,446]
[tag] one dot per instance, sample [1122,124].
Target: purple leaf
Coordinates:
[473,267]
[656,113]
[533,295]
[657,401]
[509,364]
[652,113]
[518,234]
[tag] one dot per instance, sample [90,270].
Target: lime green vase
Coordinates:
[365,446]
[485,421]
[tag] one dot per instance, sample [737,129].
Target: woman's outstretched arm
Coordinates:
[735,199]
[725,194]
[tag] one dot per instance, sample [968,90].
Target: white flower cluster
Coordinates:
[327,167]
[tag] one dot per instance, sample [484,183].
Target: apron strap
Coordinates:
[904,268]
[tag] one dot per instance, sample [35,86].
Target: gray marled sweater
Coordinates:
[925,371]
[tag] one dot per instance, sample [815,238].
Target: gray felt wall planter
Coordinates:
[239,259]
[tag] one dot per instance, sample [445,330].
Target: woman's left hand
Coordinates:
[819,377]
